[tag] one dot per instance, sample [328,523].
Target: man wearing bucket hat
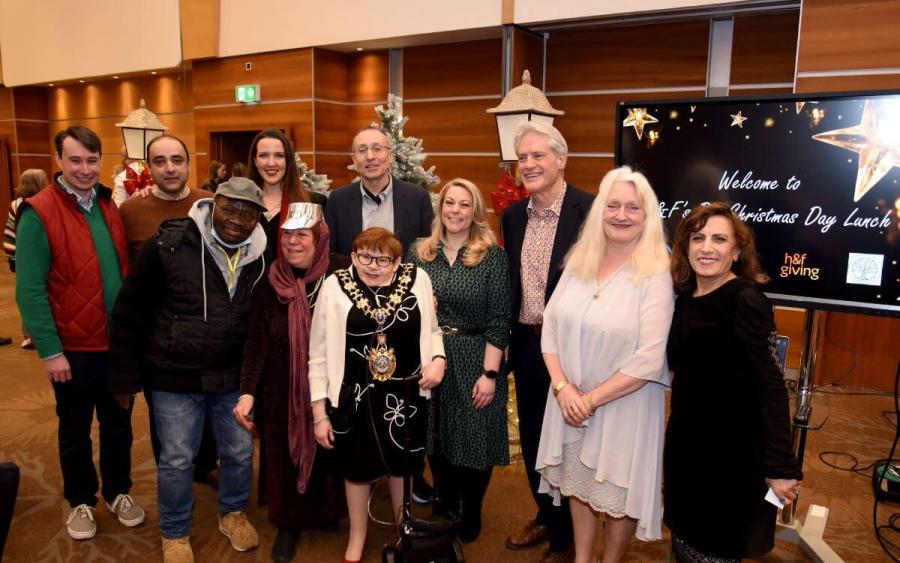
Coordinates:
[178,329]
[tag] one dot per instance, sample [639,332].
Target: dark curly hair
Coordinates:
[747,267]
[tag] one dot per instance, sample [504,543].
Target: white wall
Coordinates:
[535,11]
[247,27]
[53,40]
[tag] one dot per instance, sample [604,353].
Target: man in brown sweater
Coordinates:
[169,198]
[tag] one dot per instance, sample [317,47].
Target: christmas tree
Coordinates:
[317,183]
[408,155]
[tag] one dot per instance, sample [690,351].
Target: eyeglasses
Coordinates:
[378,150]
[247,213]
[366,259]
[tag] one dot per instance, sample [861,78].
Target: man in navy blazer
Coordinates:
[537,233]
[378,199]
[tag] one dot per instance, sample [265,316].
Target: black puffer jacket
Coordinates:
[174,326]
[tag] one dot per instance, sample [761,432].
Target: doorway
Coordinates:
[231,147]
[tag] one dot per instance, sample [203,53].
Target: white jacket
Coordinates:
[328,335]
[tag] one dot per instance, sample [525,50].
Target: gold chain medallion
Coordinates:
[382,361]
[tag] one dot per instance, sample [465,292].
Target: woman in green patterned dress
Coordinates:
[469,272]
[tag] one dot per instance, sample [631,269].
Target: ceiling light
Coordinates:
[116,77]
[153,72]
[359,48]
[51,84]
[82,81]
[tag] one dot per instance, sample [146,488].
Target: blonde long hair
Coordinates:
[481,237]
[649,256]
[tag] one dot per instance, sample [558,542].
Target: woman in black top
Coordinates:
[729,412]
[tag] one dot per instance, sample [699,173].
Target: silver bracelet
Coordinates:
[323,419]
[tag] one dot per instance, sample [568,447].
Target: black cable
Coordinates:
[828,337]
[893,519]
[855,468]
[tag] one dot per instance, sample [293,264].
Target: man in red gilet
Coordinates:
[71,257]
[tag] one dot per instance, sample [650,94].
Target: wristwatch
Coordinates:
[489,373]
[559,387]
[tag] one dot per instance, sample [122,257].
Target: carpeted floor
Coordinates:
[28,437]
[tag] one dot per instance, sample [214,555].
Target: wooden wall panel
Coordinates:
[791,323]
[45,163]
[527,54]
[368,76]
[163,94]
[764,48]
[6,103]
[31,102]
[335,166]
[848,83]
[359,116]
[332,131]
[586,172]
[285,75]
[453,126]
[484,171]
[589,123]
[331,74]
[199,28]
[33,137]
[453,69]
[874,339]
[644,56]
[736,90]
[849,34]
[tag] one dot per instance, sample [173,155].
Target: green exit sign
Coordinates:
[247,93]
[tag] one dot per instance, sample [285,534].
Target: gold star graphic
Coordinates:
[638,118]
[799,106]
[875,139]
[738,119]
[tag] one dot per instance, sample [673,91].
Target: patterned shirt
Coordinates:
[536,250]
[85,202]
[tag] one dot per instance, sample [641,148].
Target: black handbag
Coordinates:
[341,417]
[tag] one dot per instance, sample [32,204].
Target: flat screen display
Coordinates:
[817,178]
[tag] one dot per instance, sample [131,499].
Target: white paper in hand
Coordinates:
[773,498]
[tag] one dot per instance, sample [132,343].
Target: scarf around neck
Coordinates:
[291,290]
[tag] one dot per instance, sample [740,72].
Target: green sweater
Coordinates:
[33,266]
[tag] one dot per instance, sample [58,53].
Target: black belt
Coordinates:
[465,331]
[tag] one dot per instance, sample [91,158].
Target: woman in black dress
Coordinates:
[729,412]
[374,327]
[303,488]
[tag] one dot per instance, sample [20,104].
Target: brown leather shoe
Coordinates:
[566,556]
[533,535]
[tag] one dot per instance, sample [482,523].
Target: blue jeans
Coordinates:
[179,424]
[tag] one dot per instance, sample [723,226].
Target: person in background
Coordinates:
[538,232]
[178,329]
[374,328]
[470,275]
[31,182]
[71,257]
[217,174]
[239,170]
[120,174]
[604,345]
[722,344]
[169,198]
[304,489]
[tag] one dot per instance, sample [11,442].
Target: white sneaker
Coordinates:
[81,524]
[129,513]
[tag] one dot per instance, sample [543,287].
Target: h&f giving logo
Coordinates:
[796,265]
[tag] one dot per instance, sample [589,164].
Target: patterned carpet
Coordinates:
[28,437]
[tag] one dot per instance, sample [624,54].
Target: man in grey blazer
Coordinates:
[378,199]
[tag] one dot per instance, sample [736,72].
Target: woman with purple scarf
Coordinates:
[303,488]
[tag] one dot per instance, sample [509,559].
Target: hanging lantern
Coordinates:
[139,128]
[523,103]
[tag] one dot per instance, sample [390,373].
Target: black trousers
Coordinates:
[9,490]
[76,401]
[458,488]
[206,457]
[532,386]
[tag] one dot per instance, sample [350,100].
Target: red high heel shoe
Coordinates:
[365,543]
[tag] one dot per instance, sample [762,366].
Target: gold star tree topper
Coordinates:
[738,119]
[877,140]
[638,118]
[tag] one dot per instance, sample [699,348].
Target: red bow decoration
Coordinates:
[508,192]
[135,181]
